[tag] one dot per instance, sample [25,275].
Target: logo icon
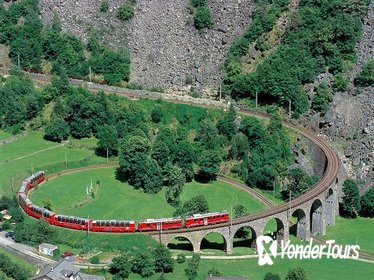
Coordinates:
[264,255]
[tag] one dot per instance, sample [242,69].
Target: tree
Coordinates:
[146,174]
[177,180]
[299,182]
[240,210]
[351,200]
[209,164]
[207,134]
[161,153]
[192,267]
[143,263]
[184,158]
[163,259]
[196,205]
[121,266]
[322,98]
[131,148]
[157,114]
[367,203]
[45,232]
[272,276]
[296,274]
[57,130]
[239,146]
[108,140]
[253,129]
[227,125]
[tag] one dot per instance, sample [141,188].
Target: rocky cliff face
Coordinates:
[350,121]
[165,47]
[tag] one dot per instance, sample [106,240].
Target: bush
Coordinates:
[366,76]
[157,114]
[181,258]
[322,98]
[198,3]
[57,130]
[340,83]
[104,7]
[203,18]
[95,259]
[126,11]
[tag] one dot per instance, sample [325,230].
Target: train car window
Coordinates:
[107,224]
[112,223]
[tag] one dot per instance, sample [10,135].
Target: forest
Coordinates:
[320,38]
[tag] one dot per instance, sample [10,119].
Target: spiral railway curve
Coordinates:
[328,178]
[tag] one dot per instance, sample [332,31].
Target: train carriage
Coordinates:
[113,226]
[158,224]
[35,179]
[23,189]
[72,222]
[207,219]
[24,202]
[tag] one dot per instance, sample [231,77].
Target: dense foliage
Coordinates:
[201,14]
[367,203]
[366,77]
[12,270]
[321,38]
[351,200]
[19,102]
[142,262]
[126,11]
[38,48]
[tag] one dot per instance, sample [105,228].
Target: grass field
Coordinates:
[117,200]
[4,135]
[352,231]
[320,269]
[32,151]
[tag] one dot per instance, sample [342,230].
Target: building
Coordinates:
[64,270]
[47,249]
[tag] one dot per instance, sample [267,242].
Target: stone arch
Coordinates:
[180,243]
[300,228]
[275,227]
[316,217]
[245,236]
[330,207]
[214,242]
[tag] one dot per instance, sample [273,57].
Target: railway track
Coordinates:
[259,196]
[328,178]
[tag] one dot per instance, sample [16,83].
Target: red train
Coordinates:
[114,226]
[158,224]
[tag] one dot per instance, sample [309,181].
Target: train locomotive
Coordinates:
[110,226]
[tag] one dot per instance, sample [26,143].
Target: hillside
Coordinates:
[165,47]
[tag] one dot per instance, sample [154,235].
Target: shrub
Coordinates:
[126,11]
[95,260]
[203,18]
[366,76]
[104,7]
[198,3]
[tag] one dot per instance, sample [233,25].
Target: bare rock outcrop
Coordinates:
[165,47]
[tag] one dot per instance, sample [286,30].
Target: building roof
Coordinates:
[48,246]
[63,270]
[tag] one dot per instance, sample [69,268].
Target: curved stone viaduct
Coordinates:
[314,210]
